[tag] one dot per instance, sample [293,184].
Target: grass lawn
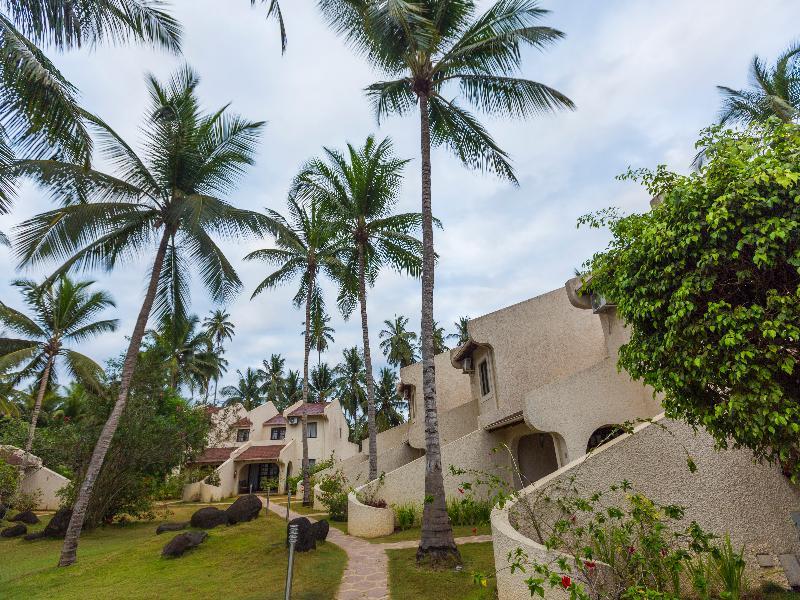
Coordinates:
[296,507]
[243,561]
[408,582]
[415,532]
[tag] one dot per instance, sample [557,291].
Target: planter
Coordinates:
[367,521]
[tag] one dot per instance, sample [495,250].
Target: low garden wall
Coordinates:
[368,521]
[47,483]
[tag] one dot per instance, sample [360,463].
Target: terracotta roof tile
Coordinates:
[261,452]
[278,419]
[243,422]
[212,410]
[214,455]
[312,408]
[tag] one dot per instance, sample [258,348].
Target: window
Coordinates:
[242,435]
[483,369]
[277,433]
[312,461]
[312,430]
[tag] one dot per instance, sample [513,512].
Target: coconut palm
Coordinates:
[389,405]
[461,335]
[351,380]
[439,344]
[292,388]
[426,47]
[322,383]
[61,313]
[38,106]
[360,187]
[220,328]
[775,91]
[274,382]
[274,10]
[306,246]
[321,332]
[247,390]
[170,197]
[398,344]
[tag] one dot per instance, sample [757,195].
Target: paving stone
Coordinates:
[765,561]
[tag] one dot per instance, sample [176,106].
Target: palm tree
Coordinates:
[170,198]
[305,246]
[220,328]
[292,389]
[321,332]
[360,188]
[274,383]
[39,107]
[389,405]
[775,92]
[61,313]
[247,390]
[191,360]
[322,382]
[398,344]
[351,380]
[461,335]
[439,344]
[426,47]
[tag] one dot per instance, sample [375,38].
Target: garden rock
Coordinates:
[25,517]
[305,535]
[57,527]
[245,508]
[14,531]
[208,518]
[171,527]
[182,542]
[320,530]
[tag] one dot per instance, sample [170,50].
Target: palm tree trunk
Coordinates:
[373,432]
[70,547]
[436,545]
[37,407]
[307,351]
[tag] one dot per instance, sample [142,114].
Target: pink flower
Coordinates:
[631,549]
[590,564]
[566,581]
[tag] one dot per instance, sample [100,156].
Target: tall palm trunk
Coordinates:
[37,407]
[70,547]
[307,351]
[373,432]
[436,544]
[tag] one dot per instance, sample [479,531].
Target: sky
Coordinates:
[641,73]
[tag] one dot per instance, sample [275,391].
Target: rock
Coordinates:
[25,517]
[14,531]
[57,527]
[208,518]
[171,527]
[34,536]
[320,529]
[245,508]
[305,537]
[182,542]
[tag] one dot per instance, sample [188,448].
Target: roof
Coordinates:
[243,422]
[278,419]
[261,452]
[212,410]
[214,455]
[511,419]
[311,408]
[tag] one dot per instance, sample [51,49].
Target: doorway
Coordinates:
[536,456]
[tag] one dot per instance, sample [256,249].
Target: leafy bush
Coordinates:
[23,501]
[8,481]
[469,511]
[407,516]
[213,478]
[333,495]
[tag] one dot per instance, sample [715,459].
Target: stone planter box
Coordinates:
[368,521]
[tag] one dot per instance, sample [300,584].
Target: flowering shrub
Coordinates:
[333,495]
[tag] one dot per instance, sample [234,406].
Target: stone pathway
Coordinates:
[367,574]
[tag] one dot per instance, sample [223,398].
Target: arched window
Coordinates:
[602,435]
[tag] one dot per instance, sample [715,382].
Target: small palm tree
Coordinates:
[292,389]
[389,405]
[274,383]
[61,313]
[220,328]
[321,332]
[360,188]
[398,344]
[426,47]
[322,383]
[439,344]
[168,202]
[351,380]
[461,335]
[39,108]
[247,390]
[306,246]
[191,359]
[775,92]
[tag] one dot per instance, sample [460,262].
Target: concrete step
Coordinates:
[791,567]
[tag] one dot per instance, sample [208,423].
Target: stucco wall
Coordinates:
[452,386]
[453,424]
[48,483]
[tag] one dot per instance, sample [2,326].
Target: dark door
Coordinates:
[268,476]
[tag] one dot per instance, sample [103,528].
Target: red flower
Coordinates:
[663,552]
[573,519]
[474,531]
[590,564]
[566,581]
[460,490]
[631,549]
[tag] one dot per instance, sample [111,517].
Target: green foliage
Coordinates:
[469,511]
[728,566]
[25,501]
[8,481]
[709,282]
[333,495]
[171,487]
[407,516]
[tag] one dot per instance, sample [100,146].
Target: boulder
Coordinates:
[305,537]
[14,531]
[320,529]
[57,527]
[171,527]
[208,518]
[34,536]
[182,542]
[245,508]
[25,517]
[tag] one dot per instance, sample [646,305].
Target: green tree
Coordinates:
[439,345]
[708,282]
[461,335]
[171,197]
[322,383]
[293,388]
[38,106]
[274,382]
[389,406]
[321,333]
[306,246]
[775,91]
[64,312]
[360,188]
[351,381]
[398,344]
[426,47]
[247,391]
[219,326]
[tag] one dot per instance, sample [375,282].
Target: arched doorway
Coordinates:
[536,456]
[603,434]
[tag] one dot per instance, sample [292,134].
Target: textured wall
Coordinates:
[48,483]
[453,424]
